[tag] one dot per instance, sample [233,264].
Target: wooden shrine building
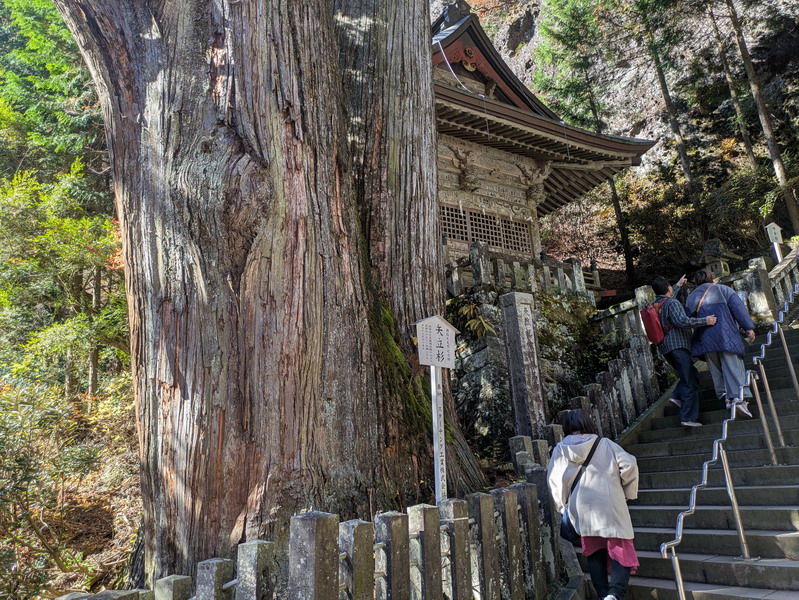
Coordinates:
[505,159]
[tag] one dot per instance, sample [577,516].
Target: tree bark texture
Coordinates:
[274,225]
[789,194]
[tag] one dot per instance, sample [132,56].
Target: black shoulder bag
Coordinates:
[567,530]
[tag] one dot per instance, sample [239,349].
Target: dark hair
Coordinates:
[703,276]
[578,421]
[660,285]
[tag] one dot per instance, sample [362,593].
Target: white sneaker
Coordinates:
[742,408]
[610,597]
[691,424]
[676,402]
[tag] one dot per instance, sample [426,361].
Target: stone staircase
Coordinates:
[670,458]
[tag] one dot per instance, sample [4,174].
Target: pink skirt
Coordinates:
[622,551]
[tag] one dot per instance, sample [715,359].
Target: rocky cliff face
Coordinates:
[698,84]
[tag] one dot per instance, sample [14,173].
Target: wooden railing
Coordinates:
[489,545]
[484,266]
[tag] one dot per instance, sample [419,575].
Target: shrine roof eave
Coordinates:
[465,109]
[579,160]
[469,28]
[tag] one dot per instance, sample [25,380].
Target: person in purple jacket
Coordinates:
[722,346]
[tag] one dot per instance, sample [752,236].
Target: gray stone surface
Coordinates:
[510,552]
[391,530]
[313,557]
[535,572]
[424,526]
[483,535]
[457,579]
[174,587]
[541,452]
[524,369]
[356,539]
[550,523]
[212,575]
[256,570]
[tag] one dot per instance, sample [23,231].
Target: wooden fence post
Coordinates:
[356,540]
[313,556]
[391,535]
[510,555]
[212,575]
[425,531]
[481,509]
[457,579]
[256,570]
[174,587]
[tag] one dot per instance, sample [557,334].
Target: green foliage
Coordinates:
[63,319]
[42,461]
[569,61]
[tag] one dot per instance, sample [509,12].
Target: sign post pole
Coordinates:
[439,433]
[435,338]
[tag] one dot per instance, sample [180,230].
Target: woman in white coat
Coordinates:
[598,506]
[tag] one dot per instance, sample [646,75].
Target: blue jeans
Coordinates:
[687,389]
[598,570]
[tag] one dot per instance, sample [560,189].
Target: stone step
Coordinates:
[769,518]
[778,378]
[762,543]
[709,402]
[693,445]
[648,588]
[669,428]
[744,476]
[778,495]
[767,573]
[741,426]
[738,458]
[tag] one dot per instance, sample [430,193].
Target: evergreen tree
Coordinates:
[568,68]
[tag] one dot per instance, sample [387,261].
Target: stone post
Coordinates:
[391,530]
[174,587]
[535,573]
[554,434]
[484,534]
[457,579]
[313,557]
[454,282]
[212,575]
[521,343]
[541,453]
[593,392]
[117,595]
[481,264]
[630,358]
[523,444]
[512,564]
[356,540]
[425,543]
[500,273]
[577,276]
[624,388]
[550,523]
[256,570]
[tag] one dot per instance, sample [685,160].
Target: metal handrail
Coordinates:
[719,452]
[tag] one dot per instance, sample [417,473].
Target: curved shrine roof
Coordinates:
[478,98]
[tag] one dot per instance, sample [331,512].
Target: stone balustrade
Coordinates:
[489,545]
[484,266]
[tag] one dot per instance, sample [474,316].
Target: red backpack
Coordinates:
[652,324]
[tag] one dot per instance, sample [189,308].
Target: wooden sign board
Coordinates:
[436,342]
[774,233]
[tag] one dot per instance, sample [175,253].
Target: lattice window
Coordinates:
[516,236]
[485,228]
[474,226]
[453,223]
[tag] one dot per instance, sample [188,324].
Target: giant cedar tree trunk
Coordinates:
[269,373]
